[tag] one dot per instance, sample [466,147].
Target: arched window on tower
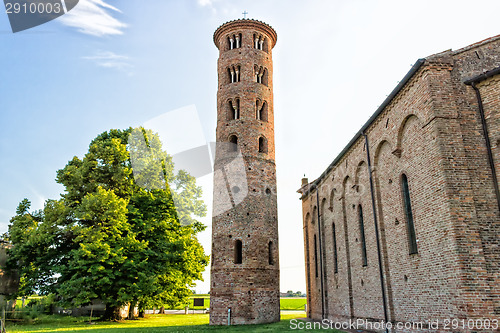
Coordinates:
[239,40]
[264,78]
[261,110]
[260,75]
[262,145]
[410,226]
[233,139]
[271,250]
[260,42]
[234,73]
[362,236]
[234,109]
[234,41]
[238,251]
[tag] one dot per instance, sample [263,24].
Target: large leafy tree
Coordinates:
[124,230]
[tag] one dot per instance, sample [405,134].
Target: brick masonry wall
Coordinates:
[490,92]
[431,133]
[247,179]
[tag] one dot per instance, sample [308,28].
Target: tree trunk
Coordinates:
[112,313]
[142,313]
[162,310]
[131,312]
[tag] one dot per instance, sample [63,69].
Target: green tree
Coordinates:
[124,230]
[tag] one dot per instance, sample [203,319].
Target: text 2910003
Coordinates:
[33,8]
[471,324]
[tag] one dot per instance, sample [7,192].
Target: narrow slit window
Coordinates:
[335,256]
[412,237]
[362,236]
[271,259]
[238,252]
[315,257]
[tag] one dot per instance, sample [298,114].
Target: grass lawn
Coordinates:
[286,303]
[152,323]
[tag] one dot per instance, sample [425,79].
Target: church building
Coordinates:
[404,224]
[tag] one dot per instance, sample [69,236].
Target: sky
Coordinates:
[120,63]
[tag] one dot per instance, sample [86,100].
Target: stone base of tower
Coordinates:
[252,294]
[247,307]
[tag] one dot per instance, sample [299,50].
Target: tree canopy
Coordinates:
[124,230]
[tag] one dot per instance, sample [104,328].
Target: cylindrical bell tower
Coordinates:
[245,265]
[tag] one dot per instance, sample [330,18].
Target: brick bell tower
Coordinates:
[245,265]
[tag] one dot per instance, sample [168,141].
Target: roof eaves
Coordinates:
[379,110]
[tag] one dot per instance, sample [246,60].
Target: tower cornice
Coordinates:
[245,23]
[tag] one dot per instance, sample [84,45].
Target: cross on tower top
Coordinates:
[245,14]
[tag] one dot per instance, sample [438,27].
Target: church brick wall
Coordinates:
[430,132]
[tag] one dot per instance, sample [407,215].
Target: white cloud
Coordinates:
[112,60]
[204,3]
[209,4]
[92,17]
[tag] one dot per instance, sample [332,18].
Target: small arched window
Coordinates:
[234,41]
[260,75]
[410,226]
[323,208]
[332,196]
[238,251]
[271,250]
[262,145]
[233,140]
[264,80]
[259,42]
[234,109]
[234,73]
[362,236]
[261,110]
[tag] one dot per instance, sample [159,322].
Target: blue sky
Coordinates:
[116,63]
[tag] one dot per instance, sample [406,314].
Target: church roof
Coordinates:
[306,189]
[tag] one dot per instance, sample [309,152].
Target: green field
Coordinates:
[153,323]
[292,303]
